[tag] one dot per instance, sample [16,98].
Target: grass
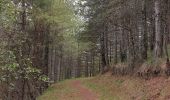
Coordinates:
[62,90]
[103,91]
[58,91]
[109,87]
[115,88]
[106,87]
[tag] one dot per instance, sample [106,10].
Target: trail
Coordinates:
[83,92]
[107,87]
[69,90]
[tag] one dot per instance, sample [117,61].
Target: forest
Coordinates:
[44,42]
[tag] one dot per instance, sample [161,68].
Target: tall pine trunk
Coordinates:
[158,47]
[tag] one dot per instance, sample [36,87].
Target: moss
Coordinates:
[119,82]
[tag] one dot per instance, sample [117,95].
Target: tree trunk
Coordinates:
[158,35]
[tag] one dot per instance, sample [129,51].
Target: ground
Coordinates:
[108,87]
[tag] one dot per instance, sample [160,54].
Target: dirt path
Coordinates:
[83,92]
[110,88]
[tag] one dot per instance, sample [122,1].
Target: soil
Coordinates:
[83,92]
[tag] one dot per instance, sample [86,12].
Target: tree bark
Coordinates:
[158,35]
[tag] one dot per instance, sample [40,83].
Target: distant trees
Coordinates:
[131,32]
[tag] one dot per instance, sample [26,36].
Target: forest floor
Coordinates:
[108,87]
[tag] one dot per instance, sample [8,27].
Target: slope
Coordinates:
[108,87]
